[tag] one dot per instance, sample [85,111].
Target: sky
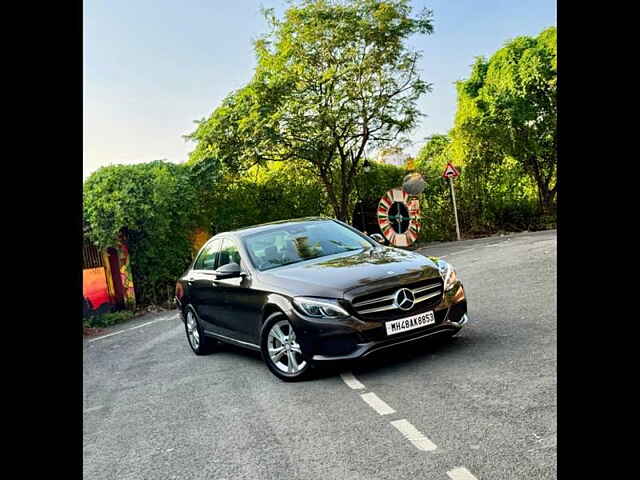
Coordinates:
[153,67]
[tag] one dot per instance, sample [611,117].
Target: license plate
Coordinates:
[410,323]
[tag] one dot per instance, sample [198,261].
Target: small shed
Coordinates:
[107,283]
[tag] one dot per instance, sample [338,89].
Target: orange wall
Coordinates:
[94,286]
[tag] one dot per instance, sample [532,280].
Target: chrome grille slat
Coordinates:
[427,297]
[422,289]
[385,303]
[375,300]
[379,309]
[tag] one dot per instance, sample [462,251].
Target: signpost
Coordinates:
[451,172]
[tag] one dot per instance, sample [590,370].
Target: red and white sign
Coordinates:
[450,171]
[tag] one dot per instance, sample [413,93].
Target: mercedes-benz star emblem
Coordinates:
[404,299]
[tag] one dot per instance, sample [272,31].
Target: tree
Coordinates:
[507,108]
[158,206]
[334,80]
[155,207]
[434,155]
[276,191]
[393,155]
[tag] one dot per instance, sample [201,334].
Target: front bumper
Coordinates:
[352,338]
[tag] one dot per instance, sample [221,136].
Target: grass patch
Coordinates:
[107,319]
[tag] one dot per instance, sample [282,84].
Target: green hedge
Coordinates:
[107,319]
[158,206]
[279,192]
[155,206]
[490,199]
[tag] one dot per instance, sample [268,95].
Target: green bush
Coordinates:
[279,192]
[490,197]
[107,319]
[155,207]
[378,180]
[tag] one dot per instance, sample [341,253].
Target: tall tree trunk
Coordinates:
[339,203]
[344,206]
[341,208]
[547,195]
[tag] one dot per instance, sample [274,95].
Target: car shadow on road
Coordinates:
[399,357]
[434,349]
[228,348]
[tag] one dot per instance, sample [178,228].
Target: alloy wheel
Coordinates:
[192,331]
[284,350]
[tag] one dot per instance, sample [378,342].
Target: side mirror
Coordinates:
[230,270]
[378,238]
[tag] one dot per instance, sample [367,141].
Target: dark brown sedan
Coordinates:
[312,290]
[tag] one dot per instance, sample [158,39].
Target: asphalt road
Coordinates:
[481,405]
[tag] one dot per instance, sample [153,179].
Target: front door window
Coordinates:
[228,253]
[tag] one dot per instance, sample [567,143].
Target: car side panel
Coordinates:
[242,307]
[205,298]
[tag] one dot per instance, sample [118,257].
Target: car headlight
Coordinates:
[320,307]
[448,274]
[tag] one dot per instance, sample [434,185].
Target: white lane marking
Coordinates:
[463,251]
[414,436]
[132,328]
[93,409]
[460,473]
[500,243]
[352,381]
[377,404]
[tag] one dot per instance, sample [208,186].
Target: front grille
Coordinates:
[380,305]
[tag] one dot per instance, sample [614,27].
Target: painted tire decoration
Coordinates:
[399,217]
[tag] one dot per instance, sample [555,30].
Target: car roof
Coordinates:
[263,227]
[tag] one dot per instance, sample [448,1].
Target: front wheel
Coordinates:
[281,351]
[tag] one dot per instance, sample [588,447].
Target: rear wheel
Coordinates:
[281,350]
[198,341]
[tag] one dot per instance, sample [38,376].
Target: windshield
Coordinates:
[303,241]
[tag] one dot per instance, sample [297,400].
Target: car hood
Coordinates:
[337,275]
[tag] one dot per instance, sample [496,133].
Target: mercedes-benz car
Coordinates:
[314,290]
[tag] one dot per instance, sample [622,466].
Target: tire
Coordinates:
[197,340]
[287,364]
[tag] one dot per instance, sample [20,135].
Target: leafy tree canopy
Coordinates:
[434,155]
[508,108]
[155,206]
[334,79]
